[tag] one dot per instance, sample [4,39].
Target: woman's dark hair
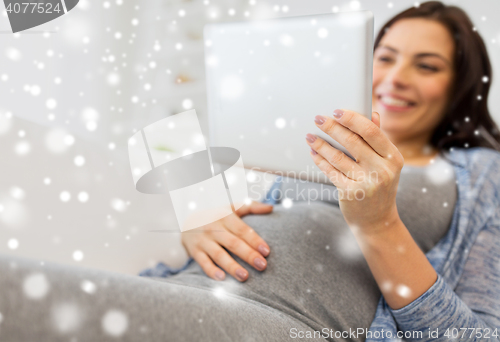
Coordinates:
[467,121]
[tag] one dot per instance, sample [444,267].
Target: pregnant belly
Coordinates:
[316,272]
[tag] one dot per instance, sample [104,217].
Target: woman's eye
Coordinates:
[384,59]
[427,67]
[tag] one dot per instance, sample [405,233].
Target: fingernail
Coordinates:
[311,138]
[319,119]
[220,275]
[338,113]
[259,263]
[314,152]
[263,250]
[241,274]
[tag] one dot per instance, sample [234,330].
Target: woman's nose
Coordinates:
[399,76]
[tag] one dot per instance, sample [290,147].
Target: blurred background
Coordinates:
[72,91]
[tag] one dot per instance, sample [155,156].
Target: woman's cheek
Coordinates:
[435,90]
[377,76]
[433,100]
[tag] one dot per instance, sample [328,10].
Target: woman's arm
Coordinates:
[418,297]
[367,197]
[398,265]
[472,313]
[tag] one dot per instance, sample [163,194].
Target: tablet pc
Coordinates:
[266,81]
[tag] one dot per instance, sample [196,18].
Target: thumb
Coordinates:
[254,208]
[376,119]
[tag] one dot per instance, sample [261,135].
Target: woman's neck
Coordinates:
[417,151]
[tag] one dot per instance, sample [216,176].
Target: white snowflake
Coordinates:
[35,90]
[280,123]
[5,123]
[78,255]
[88,287]
[219,292]
[115,323]
[13,244]
[36,286]
[66,317]
[17,193]
[355,5]
[113,79]
[439,172]
[51,103]
[64,196]
[251,177]
[323,32]
[79,160]
[403,290]
[13,53]
[22,148]
[187,104]
[348,246]
[14,213]
[287,203]
[118,204]
[386,286]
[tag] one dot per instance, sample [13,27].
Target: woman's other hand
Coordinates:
[368,186]
[206,244]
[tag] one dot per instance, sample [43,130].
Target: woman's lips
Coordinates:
[394,104]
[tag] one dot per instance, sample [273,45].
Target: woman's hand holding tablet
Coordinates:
[368,185]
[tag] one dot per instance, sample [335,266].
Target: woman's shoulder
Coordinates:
[477,160]
[482,176]
[484,153]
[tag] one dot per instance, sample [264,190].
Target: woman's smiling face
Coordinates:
[412,77]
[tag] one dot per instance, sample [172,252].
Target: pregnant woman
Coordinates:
[405,245]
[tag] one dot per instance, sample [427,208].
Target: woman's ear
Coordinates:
[376,118]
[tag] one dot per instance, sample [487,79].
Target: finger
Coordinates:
[356,145]
[335,157]
[222,258]
[208,266]
[336,177]
[376,119]
[239,228]
[239,247]
[254,208]
[366,129]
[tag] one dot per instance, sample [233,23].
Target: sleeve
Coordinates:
[162,270]
[472,311]
[273,194]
